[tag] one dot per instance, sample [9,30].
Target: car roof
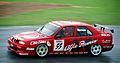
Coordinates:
[69,23]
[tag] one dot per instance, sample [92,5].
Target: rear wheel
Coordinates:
[41,50]
[96,50]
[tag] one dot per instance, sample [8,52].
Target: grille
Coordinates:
[15,40]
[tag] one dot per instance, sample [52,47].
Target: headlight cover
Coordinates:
[21,42]
[11,37]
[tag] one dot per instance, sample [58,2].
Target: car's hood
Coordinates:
[31,35]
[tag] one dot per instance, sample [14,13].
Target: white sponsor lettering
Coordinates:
[69,47]
[106,41]
[33,42]
[48,43]
[105,34]
[82,43]
[90,42]
[29,48]
[37,42]
[23,53]
[81,29]
[107,46]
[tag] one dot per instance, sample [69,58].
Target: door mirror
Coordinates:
[58,36]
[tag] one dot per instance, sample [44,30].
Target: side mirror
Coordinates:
[58,36]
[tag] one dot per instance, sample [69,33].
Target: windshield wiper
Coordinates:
[38,30]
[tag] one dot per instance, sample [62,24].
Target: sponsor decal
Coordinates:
[85,52]
[58,45]
[81,29]
[75,52]
[48,43]
[61,53]
[66,52]
[34,42]
[106,41]
[107,46]
[29,48]
[37,42]
[23,53]
[70,47]
[51,53]
[81,43]
[56,53]
[81,52]
[42,41]
[105,34]
[70,53]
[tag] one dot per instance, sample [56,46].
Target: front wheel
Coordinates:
[96,50]
[41,50]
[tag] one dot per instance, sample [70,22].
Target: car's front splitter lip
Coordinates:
[20,52]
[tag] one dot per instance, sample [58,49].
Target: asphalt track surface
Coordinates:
[6,56]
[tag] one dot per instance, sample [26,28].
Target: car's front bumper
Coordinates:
[18,49]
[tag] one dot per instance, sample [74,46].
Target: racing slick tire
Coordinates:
[41,50]
[96,50]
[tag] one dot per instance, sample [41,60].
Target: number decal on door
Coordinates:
[58,45]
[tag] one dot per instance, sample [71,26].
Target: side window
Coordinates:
[89,33]
[66,32]
[83,31]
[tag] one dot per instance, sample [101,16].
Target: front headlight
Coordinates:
[11,37]
[21,42]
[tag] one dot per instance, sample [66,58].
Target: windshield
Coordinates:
[47,29]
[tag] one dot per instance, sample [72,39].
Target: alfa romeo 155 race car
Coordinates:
[63,37]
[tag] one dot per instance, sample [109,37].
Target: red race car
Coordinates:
[63,37]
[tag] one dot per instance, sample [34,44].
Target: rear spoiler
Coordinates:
[103,27]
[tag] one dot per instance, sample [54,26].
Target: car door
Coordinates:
[84,37]
[64,38]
